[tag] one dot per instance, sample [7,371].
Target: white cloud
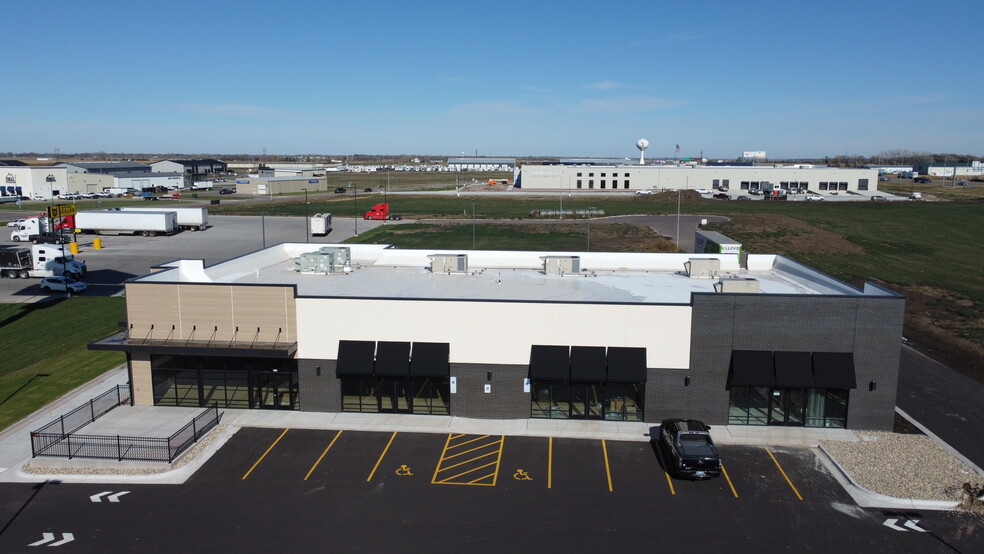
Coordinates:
[603,85]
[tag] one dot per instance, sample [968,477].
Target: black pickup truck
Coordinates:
[689,448]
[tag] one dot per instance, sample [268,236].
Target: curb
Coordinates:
[870,499]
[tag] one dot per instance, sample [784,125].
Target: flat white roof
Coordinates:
[378,271]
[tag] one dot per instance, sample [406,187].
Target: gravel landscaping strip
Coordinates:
[902,466]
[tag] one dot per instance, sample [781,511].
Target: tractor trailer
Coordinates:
[381,211]
[40,260]
[190,219]
[148,224]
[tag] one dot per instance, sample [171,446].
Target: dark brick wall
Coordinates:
[507,399]
[871,327]
[318,393]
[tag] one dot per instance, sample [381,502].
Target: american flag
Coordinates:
[678,148]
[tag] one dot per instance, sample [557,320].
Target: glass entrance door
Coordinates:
[585,401]
[788,407]
[393,396]
[274,390]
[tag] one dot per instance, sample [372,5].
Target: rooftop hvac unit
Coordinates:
[561,265]
[328,259]
[738,284]
[449,263]
[703,268]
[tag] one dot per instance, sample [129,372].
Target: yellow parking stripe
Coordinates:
[380,460]
[659,453]
[265,453]
[323,455]
[437,468]
[730,484]
[466,442]
[550,464]
[608,470]
[784,474]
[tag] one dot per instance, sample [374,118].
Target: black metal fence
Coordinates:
[78,418]
[49,441]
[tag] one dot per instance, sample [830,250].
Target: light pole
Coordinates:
[356,209]
[307,221]
[263,226]
[473,224]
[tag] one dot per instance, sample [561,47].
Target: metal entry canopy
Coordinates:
[430,359]
[834,370]
[752,368]
[355,357]
[794,370]
[549,363]
[588,363]
[393,359]
[626,365]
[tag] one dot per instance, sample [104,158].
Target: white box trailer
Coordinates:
[191,219]
[320,224]
[148,224]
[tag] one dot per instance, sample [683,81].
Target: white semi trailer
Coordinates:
[320,224]
[190,219]
[114,222]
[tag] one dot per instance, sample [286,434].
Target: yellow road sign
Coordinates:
[62,210]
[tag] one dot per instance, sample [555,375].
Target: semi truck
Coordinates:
[190,219]
[381,211]
[39,230]
[40,260]
[148,224]
[320,224]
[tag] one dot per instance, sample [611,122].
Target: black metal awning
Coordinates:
[120,341]
[355,357]
[626,365]
[751,368]
[430,359]
[549,363]
[392,359]
[834,370]
[794,370]
[588,363]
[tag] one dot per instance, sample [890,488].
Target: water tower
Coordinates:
[642,144]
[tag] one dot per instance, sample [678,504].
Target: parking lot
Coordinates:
[332,490]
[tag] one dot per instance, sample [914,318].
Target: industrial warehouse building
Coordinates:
[795,179]
[744,339]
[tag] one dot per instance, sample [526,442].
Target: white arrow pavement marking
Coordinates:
[45,539]
[116,497]
[914,525]
[890,523]
[112,497]
[98,497]
[66,537]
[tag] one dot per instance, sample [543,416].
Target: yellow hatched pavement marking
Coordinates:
[446,455]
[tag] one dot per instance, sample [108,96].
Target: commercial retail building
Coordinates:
[727,338]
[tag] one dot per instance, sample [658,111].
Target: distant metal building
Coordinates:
[104,167]
[481,164]
[190,167]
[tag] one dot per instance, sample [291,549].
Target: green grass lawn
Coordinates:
[45,353]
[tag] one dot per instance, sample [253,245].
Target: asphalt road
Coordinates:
[318,491]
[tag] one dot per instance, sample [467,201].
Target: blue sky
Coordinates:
[507,78]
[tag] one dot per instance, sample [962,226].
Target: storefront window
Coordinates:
[752,406]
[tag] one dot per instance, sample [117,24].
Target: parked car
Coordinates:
[367,189]
[643,192]
[104,194]
[689,448]
[962,184]
[341,190]
[743,197]
[922,180]
[15,223]
[722,196]
[878,198]
[883,179]
[61,284]
[814,197]
[227,191]
[703,191]
[915,195]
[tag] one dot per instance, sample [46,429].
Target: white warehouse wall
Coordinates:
[494,332]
